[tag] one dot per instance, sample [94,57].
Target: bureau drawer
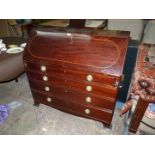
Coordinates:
[73,96]
[73,108]
[71,73]
[85,87]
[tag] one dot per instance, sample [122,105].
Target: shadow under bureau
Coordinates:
[77,71]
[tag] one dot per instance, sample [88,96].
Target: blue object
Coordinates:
[130,61]
[4,112]
[119,104]
[152,107]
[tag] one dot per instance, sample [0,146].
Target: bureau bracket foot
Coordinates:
[107,125]
[36,104]
[16,80]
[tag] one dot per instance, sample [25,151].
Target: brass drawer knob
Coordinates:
[45,78]
[87,111]
[89,88]
[49,99]
[47,88]
[88,99]
[89,78]
[43,68]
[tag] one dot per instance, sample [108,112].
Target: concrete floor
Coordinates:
[24,118]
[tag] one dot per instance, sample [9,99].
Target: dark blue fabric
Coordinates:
[128,69]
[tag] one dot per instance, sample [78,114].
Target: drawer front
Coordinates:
[73,96]
[62,70]
[85,87]
[74,108]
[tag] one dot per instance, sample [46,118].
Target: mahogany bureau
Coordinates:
[77,71]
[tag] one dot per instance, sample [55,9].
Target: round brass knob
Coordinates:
[49,99]
[88,99]
[89,78]
[89,88]
[43,68]
[45,78]
[87,111]
[47,88]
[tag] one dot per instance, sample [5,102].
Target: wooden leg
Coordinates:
[105,125]
[36,104]
[16,79]
[138,115]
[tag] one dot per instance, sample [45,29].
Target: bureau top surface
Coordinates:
[103,50]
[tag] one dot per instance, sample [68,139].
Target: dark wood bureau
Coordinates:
[76,70]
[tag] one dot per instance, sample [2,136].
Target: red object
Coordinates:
[143,85]
[76,70]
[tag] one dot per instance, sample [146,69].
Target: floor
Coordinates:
[26,119]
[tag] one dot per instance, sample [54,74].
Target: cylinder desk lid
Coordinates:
[103,50]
